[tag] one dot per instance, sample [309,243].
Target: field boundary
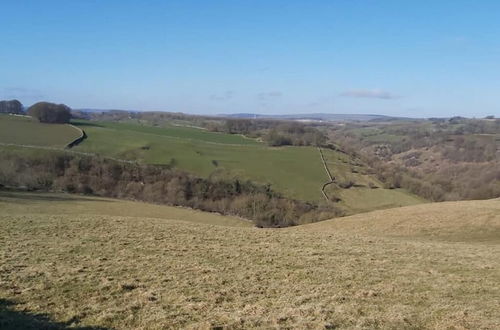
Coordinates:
[332,178]
[79,139]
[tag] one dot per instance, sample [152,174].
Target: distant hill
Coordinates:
[317,117]
[299,117]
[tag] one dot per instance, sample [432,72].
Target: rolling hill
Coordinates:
[72,261]
[297,172]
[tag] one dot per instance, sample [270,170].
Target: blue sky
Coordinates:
[406,58]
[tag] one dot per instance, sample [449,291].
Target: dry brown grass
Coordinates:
[467,221]
[86,269]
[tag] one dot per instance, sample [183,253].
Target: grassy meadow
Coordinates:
[295,171]
[81,262]
[27,131]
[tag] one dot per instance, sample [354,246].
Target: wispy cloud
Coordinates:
[267,96]
[227,95]
[370,93]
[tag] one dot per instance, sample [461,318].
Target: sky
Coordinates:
[402,58]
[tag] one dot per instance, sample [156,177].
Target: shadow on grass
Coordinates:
[12,319]
[26,197]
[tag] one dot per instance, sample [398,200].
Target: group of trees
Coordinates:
[296,134]
[275,132]
[104,177]
[12,106]
[47,112]
[459,181]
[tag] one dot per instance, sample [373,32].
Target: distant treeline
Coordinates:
[58,171]
[275,132]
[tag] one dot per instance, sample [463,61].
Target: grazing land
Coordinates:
[27,131]
[75,261]
[296,172]
[367,192]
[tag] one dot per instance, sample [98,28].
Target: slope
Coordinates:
[26,131]
[72,205]
[113,271]
[467,221]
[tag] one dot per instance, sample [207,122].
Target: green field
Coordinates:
[83,262]
[296,172]
[27,131]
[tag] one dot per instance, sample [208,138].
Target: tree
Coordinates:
[47,112]
[13,106]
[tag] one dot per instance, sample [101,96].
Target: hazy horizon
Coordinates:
[285,57]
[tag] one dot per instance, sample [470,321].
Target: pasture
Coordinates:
[297,172]
[27,131]
[72,261]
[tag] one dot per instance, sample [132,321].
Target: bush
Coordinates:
[53,113]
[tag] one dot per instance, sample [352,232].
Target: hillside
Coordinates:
[24,130]
[295,171]
[464,221]
[358,188]
[67,204]
[438,159]
[69,261]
